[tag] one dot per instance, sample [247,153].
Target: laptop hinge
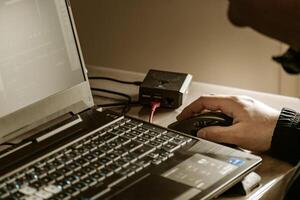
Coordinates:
[74,121]
[43,132]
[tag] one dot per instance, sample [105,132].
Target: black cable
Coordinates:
[137,83]
[126,108]
[112,92]
[7,144]
[118,104]
[127,105]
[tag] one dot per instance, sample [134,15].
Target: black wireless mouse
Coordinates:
[192,125]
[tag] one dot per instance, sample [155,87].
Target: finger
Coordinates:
[227,104]
[219,134]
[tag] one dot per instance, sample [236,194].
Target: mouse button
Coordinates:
[213,123]
[208,122]
[200,123]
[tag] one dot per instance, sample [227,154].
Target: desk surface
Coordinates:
[274,173]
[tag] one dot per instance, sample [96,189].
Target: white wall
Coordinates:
[191,36]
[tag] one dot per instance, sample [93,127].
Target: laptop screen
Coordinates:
[38,54]
[42,72]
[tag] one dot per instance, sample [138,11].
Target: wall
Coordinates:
[191,36]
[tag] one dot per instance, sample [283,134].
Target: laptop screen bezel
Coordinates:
[72,100]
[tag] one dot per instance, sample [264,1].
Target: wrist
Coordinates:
[286,136]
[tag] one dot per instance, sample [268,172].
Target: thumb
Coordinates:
[219,134]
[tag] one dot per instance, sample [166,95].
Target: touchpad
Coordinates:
[157,187]
[200,171]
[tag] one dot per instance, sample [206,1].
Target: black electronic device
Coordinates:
[192,125]
[169,88]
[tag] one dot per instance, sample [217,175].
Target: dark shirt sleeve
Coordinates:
[286,138]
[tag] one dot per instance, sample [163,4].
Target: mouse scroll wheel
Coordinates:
[205,123]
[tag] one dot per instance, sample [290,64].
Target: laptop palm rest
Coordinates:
[157,187]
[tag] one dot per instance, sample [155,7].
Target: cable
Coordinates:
[127,104]
[118,104]
[137,83]
[8,144]
[112,92]
[154,106]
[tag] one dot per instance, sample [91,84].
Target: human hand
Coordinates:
[279,19]
[253,121]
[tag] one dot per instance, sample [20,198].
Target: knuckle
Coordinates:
[201,98]
[242,101]
[247,98]
[235,99]
[189,110]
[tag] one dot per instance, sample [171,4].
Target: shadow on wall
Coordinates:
[191,36]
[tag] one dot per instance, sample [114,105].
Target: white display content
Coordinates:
[38,54]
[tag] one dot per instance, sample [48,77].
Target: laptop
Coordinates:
[56,144]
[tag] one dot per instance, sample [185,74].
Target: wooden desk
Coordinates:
[274,173]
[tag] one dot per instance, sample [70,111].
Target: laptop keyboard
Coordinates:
[102,160]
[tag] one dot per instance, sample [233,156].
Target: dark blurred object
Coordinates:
[294,185]
[244,187]
[290,61]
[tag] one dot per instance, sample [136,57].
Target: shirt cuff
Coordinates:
[286,138]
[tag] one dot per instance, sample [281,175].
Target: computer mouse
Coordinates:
[192,125]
